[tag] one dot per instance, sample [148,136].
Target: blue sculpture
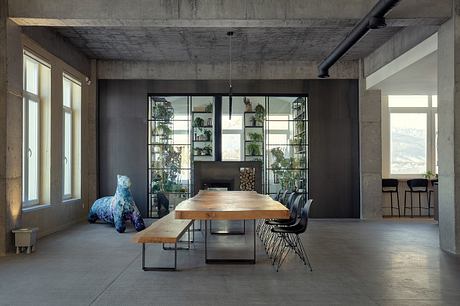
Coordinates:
[117,209]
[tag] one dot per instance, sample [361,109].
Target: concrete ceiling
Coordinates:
[211,44]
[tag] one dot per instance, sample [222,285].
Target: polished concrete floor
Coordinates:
[354,263]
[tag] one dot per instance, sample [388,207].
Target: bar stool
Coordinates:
[391,186]
[417,186]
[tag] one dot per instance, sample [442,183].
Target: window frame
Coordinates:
[27,98]
[431,154]
[68,110]
[235,131]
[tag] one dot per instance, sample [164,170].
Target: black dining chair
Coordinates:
[391,186]
[289,239]
[417,186]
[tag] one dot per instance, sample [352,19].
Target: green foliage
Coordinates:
[162,112]
[167,180]
[256,137]
[282,169]
[253,149]
[198,122]
[429,175]
[208,108]
[208,134]
[207,150]
[163,129]
[260,114]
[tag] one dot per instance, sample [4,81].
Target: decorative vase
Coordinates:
[248,108]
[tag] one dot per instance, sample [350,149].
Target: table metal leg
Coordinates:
[228,260]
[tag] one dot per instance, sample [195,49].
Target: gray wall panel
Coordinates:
[334,162]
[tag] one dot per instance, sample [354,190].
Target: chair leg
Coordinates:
[405,197]
[419,204]
[429,203]
[304,253]
[391,203]
[411,205]
[397,198]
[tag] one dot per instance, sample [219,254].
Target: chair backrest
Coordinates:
[418,185]
[282,198]
[278,195]
[291,199]
[304,215]
[295,207]
[388,184]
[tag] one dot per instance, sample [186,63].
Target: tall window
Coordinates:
[412,129]
[31,133]
[71,98]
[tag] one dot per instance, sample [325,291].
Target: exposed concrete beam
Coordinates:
[204,71]
[399,44]
[224,13]
[425,48]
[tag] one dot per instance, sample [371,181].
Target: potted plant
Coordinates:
[282,169]
[198,151]
[253,121]
[253,149]
[207,150]
[208,134]
[256,137]
[260,114]
[429,175]
[248,104]
[198,122]
[208,108]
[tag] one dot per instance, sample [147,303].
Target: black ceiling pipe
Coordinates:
[375,19]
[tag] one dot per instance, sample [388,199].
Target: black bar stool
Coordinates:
[391,186]
[417,186]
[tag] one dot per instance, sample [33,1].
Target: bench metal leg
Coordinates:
[159,268]
[188,241]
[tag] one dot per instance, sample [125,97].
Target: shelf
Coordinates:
[253,155]
[201,112]
[202,155]
[253,127]
[202,141]
[203,127]
[254,141]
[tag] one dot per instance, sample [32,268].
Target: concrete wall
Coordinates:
[56,214]
[334,172]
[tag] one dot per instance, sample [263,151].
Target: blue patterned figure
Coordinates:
[117,209]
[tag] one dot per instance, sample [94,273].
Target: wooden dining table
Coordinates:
[230,205]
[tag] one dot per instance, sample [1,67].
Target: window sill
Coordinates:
[35,208]
[71,201]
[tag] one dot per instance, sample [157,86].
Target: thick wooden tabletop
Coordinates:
[230,205]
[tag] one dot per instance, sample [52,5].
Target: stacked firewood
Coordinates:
[247,179]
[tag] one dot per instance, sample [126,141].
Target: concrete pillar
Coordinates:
[3,95]
[449,132]
[370,143]
[10,127]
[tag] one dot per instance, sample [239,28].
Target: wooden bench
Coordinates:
[165,230]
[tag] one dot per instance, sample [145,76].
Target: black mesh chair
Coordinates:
[289,239]
[417,186]
[283,197]
[391,186]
